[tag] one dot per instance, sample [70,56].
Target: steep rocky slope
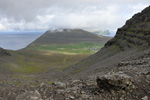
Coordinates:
[129,80]
[134,33]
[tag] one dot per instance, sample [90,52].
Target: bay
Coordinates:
[17,41]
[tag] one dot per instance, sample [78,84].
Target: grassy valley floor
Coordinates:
[80,48]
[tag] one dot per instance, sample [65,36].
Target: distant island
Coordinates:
[100,32]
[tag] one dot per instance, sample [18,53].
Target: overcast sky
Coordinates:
[55,14]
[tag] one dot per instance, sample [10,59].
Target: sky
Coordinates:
[70,14]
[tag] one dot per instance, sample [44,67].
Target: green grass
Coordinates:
[21,64]
[34,61]
[26,68]
[82,48]
[23,77]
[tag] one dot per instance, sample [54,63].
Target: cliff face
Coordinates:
[136,32]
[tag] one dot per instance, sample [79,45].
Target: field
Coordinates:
[81,48]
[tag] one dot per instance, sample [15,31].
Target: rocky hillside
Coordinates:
[129,80]
[120,71]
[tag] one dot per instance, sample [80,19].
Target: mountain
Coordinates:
[70,41]
[68,36]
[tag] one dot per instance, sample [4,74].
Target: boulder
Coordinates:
[29,95]
[114,81]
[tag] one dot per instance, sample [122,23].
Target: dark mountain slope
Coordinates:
[135,32]
[4,52]
[131,40]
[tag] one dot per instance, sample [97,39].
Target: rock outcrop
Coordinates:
[4,52]
[114,81]
[136,32]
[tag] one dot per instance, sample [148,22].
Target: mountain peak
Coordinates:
[139,20]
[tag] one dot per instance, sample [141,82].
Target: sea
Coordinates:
[12,40]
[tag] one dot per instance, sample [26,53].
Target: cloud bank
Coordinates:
[56,14]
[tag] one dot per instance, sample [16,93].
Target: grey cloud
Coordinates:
[49,14]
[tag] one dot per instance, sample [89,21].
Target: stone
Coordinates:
[29,95]
[110,81]
[72,97]
[76,81]
[85,96]
[145,98]
[42,84]
[60,84]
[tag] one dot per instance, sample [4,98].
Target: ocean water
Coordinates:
[16,41]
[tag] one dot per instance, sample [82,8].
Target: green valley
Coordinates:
[53,52]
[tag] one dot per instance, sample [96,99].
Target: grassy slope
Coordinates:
[33,63]
[29,62]
[45,59]
[29,65]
